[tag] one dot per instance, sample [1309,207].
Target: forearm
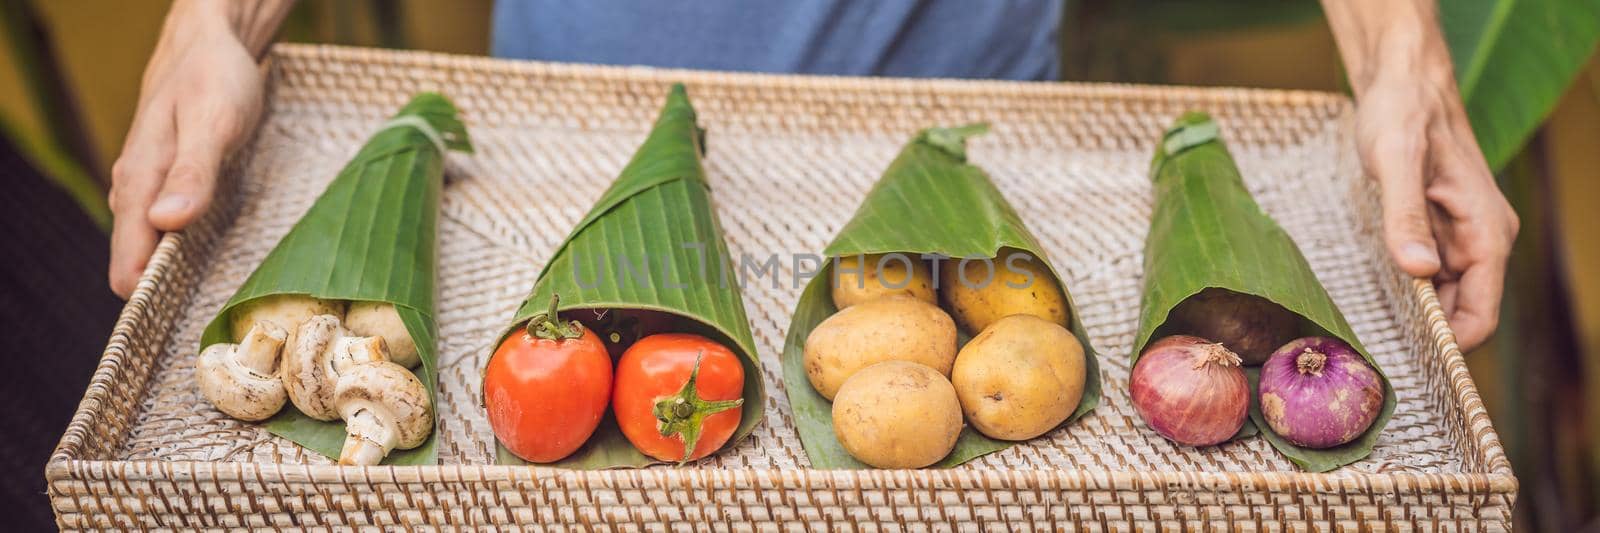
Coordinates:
[1388,37]
[253,22]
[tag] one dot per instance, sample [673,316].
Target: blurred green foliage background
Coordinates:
[70,71]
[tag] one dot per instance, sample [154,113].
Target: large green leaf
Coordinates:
[657,215]
[369,237]
[1513,60]
[1207,231]
[929,201]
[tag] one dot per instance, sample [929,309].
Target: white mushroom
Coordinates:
[379,319]
[287,311]
[323,351]
[238,378]
[384,407]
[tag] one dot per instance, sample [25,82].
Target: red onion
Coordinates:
[1318,392]
[1249,325]
[1190,390]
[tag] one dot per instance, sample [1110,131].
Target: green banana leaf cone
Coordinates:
[929,202]
[369,237]
[651,243]
[1208,232]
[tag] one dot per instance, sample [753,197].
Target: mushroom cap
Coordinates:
[304,376]
[391,395]
[379,319]
[287,311]
[321,351]
[235,388]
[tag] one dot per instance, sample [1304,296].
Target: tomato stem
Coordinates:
[684,413]
[550,326]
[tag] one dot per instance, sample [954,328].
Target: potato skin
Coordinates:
[975,304]
[897,414]
[892,328]
[1020,378]
[857,281]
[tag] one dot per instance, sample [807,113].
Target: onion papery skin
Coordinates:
[1190,390]
[1318,392]
[1249,325]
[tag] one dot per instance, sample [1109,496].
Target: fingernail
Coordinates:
[1420,253]
[170,205]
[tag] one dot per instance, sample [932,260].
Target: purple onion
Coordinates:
[1318,392]
[1248,325]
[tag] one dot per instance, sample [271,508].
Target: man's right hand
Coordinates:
[201,95]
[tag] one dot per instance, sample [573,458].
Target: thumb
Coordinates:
[1397,162]
[203,140]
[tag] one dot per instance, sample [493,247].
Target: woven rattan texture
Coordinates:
[789,159]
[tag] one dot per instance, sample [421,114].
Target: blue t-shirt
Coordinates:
[1001,39]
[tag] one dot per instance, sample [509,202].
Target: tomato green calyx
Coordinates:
[683,413]
[550,326]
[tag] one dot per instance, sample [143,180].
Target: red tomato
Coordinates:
[546,389]
[677,391]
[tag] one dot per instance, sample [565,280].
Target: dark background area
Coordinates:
[58,314]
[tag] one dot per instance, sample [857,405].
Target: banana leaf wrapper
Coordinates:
[1207,231]
[930,203]
[369,237]
[658,215]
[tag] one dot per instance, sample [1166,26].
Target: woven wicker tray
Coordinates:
[789,159]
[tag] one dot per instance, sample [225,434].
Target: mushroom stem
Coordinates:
[385,407]
[354,350]
[324,351]
[259,349]
[361,452]
[369,439]
[286,311]
[381,319]
[238,378]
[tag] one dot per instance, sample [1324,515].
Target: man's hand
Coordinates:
[201,94]
[1443,215]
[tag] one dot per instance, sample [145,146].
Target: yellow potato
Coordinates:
[856,281]
[892,328]
[897,414]
[1018,284]
[1020,378]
